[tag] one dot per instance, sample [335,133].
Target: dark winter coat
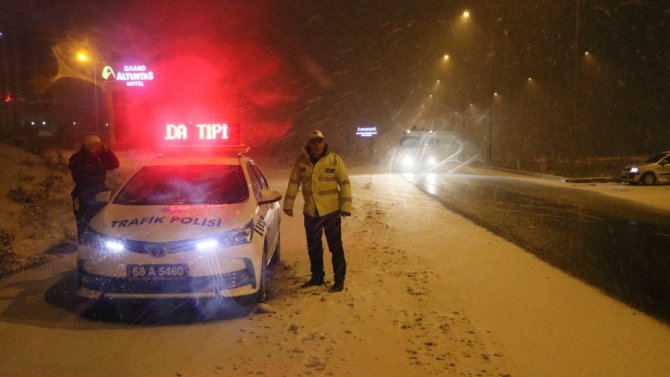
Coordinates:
[89,172]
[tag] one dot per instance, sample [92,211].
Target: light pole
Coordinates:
[465,17]
[488,152]
[83,57]
[488,147]
[573,138]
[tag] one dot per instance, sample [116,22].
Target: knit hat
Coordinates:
[90,140]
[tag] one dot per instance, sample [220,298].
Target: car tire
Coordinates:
[276,256]
[648,179]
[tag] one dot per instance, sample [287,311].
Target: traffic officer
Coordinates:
[327,193]
[88,167]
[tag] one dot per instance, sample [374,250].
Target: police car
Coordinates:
[185,225]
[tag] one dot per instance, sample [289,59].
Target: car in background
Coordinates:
[184,227]
[655,169]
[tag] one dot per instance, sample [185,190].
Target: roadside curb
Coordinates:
[557,177]
[591,180]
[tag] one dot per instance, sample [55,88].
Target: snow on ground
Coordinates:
[35,209]
[427,293]
[654,196]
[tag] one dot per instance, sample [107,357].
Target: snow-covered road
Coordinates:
[427,293]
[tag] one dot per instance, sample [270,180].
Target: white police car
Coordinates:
[194,226]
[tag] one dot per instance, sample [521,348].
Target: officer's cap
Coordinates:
[316,134]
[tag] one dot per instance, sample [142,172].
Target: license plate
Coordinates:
[157,271]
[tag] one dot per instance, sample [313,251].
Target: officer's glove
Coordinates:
[288,212]
[345,214]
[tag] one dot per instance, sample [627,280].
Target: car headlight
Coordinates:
[102,242]
[432,160]
[407,161]
[634,169]
[207,244]
[231,238]
[114,246]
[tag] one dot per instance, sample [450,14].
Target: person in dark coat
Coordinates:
[88,167]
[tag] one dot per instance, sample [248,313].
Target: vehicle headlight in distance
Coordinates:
[407,161]
[432,160]
[634,169]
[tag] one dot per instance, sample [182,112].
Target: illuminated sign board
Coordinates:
[366,131]
[202,133]
[130,75]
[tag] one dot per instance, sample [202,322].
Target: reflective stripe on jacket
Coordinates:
[325,185]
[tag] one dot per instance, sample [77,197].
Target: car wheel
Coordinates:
[648,179]
[276,256]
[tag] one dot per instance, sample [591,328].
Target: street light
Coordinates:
[465,16]
[493,101]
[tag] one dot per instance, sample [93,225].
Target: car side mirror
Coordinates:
[269,196]
[103,197]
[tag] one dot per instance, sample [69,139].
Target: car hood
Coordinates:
[170,223]
[641,165]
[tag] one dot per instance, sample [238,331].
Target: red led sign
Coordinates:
[198,133]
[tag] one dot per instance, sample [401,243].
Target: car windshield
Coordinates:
[185,184]
[656,158]
[418,142]
[410,142]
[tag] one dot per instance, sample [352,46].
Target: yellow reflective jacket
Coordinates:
[325,185]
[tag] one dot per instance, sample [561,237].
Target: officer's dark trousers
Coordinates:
[84,211]
[331,224]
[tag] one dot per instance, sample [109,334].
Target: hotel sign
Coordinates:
[129,75]
[366,131]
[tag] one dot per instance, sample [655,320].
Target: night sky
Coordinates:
[287,66]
